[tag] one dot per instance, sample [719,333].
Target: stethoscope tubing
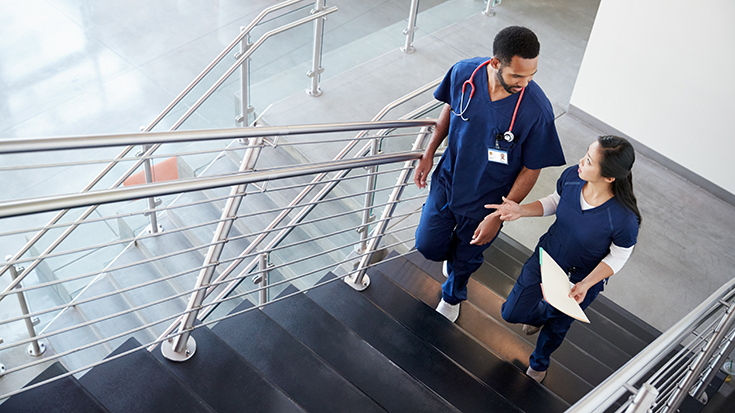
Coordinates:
[508,136]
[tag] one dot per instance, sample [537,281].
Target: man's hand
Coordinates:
[487,230]
[422,170]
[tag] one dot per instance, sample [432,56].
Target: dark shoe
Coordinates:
[530,330]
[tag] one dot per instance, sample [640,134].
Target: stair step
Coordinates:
[218,374]
[627,344]
[465,350]
[307,379]
[62,396]
[137,382]
[353,358]
[627,334]
[508,341]
[110,305]
[626,320]
[408,351]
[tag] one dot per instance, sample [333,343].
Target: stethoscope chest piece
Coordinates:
[508,136]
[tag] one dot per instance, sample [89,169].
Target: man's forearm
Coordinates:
[523,184]
[440,131]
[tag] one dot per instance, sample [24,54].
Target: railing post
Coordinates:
[35,348]
[316,68]
[490,9]
[702,359]
[643,400]
[245,107]
[411,29]
[263,267]
[148,171]
[367,216]
[360,280]
[182,347]
[715,367]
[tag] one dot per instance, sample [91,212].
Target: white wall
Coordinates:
[663,73]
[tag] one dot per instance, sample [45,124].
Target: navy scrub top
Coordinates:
[469,177]
[578,240]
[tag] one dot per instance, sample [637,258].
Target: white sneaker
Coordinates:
[450,311]
[536,375]
[445,269]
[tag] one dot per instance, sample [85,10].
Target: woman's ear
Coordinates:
[609,180]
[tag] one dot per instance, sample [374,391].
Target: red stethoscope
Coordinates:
[508,135]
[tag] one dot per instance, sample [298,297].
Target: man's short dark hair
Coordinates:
[515,41]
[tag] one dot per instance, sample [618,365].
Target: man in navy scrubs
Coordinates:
[485,98]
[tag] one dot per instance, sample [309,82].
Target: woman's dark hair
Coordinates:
[515,41]
[616,162]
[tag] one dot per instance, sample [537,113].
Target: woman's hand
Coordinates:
[507,211]
[579,291]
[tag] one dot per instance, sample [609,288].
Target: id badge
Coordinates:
[497,155]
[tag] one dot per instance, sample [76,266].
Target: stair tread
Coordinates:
[509,341]
[626,343]
[218,374]
[640,331]
[404,348]
[461,347]
[294,368]
[137,382]
[62,395]
[356,360]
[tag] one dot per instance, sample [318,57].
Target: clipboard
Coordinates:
[556,288]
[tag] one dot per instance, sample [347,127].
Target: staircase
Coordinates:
[333,349]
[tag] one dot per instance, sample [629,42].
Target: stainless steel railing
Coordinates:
[150,146]
[678,364]
[97,298]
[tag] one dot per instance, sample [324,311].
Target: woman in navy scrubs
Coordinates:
[596,227]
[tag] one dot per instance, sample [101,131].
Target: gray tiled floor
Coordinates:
[81,67]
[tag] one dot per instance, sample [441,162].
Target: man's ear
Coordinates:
[495,63]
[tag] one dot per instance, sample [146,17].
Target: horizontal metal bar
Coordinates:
[205,322]
[605,394]
[203,224]
[105,295]
[169,255]
[100,319]
[21,145]
[45,204]
[189,204]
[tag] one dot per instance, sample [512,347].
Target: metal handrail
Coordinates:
[180,229]
[605,394]
[148,345]
[45,204]
[282,234]
[106,196]
[222,55]
[150,150]
[99,141]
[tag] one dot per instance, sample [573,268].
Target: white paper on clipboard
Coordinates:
[556,288]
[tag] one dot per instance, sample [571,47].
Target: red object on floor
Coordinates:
[163,171]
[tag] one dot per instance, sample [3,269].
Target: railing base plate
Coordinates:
[167,349]
[41,348]
[350,280]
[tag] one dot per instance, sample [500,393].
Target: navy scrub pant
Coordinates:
[445,236]
[525,305]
